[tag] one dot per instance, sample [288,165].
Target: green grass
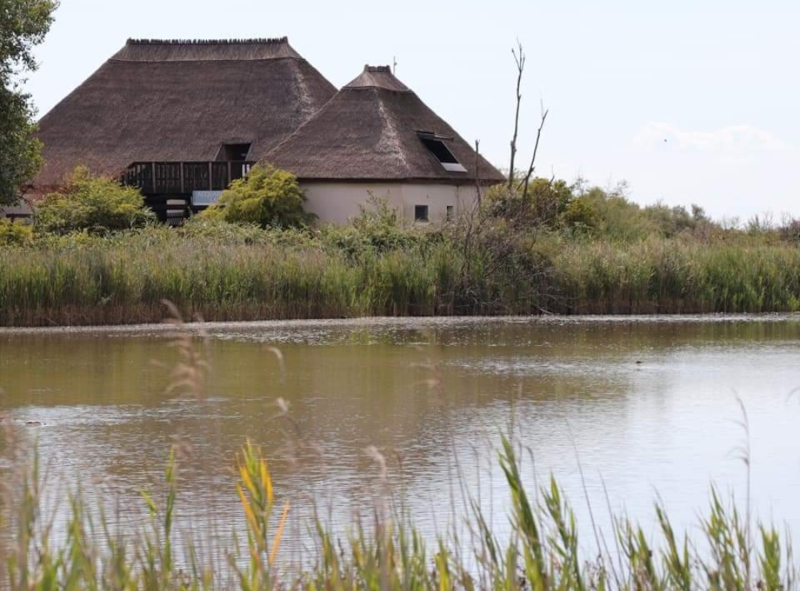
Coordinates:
[252,274]
[542,551]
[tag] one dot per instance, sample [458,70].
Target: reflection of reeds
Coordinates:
[541,553]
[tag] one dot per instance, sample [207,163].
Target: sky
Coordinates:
[686,101]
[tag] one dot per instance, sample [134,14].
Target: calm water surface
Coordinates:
[647,406]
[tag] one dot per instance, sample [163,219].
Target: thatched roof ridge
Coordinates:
[378,77]
[161,50]
[255,41]
[178,101]
[370,131]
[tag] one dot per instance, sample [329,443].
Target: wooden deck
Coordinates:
[183,178]
[168,186]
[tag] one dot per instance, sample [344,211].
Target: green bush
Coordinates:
[580,216]
[15,234]
[377,229]
[94,204]
[267,197]
[542,206]
[554,205]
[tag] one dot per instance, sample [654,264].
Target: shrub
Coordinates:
[543,206]
[580,216]
[15,234]
[790,230]
[377,228]
[267,197]
[94,204]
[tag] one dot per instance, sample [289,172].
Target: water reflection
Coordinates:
[644,404]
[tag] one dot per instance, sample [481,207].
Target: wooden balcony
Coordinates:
[183,178]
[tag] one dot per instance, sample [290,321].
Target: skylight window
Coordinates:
[441,152]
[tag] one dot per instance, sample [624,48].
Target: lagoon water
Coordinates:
[619,410]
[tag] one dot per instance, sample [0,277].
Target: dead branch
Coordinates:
[519,59]
[532,166]
[478,191]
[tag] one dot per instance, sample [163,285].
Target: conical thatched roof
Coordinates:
[376,128]
[180,101]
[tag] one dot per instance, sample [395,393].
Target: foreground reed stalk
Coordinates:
[542,552]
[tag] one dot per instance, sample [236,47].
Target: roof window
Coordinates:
[440,151]
[233,152]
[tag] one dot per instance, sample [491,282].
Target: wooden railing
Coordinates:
[183,178]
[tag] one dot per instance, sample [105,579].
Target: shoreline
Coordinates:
[167,328]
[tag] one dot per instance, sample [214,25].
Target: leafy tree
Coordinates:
[543,206]
[580,216]
[268,197]
[618,218]
[94,204]
[23,25]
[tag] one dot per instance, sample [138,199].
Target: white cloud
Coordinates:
[731,139]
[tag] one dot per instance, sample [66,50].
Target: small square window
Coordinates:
[449,213]
[420,213]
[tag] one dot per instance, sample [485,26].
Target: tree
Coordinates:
[23,25]
[520,59]
[94,204]
[267,197]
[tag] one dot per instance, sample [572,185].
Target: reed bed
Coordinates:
[541,553]
[123,279]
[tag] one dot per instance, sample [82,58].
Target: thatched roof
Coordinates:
[179,101]
[373,129]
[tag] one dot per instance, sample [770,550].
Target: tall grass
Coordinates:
[542,551]
[274,275]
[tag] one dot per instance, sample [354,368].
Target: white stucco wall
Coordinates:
[338,202]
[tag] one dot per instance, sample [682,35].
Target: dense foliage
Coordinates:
[16,234]
[598,253]
[92,204]
[23,25]
[556,205]
[267,197]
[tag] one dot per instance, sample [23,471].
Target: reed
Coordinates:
[256,275]
[542,551]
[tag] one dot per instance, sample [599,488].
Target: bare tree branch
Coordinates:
[532,166]
[478,191]
[519,59]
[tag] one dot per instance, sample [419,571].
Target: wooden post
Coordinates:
[230,178]
[210,176]
[153,165]
[183,189]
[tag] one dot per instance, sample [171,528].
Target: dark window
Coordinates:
[441,152]
[420,213]
[449,213]
[233,152]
